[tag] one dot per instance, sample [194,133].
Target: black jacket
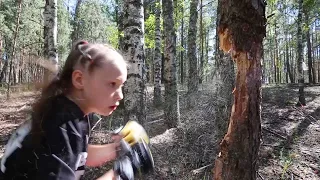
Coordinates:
[62,152]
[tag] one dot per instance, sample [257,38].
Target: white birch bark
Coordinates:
[50,33]
[171,107]
[133,52]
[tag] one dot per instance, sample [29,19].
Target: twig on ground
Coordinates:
[196,171]
[275,133]
[260,176]
[151,122]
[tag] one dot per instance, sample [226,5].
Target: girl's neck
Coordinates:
[78,100]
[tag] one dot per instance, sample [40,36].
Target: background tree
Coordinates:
[157,57]
[50,37]
[133,52]
[193,77]
[302,100]
[171,108]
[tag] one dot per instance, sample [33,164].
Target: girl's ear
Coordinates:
[77,79]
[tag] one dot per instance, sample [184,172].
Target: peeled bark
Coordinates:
[243,38]
[157,59]
[171,108]
[224,78]
[133,52]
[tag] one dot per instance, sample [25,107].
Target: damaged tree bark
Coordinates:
[241,32]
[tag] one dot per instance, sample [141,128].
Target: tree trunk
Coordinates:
[16,32]
[302,100]
[133,52]
[157,58]
[193,79]
[182,52]
[50,38]
[239,149]
[202,44]
[309,50]
[289,72]
[171,108]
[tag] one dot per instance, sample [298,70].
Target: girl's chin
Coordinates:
[106,113]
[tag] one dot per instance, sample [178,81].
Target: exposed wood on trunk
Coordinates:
[242,37]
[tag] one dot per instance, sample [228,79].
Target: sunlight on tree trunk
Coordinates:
[171,107]
[133,52]
[243,39]
[50,38]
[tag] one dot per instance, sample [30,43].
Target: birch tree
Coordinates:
[171,107]
[50,37]
[133,52]
[157,57]
[302,100]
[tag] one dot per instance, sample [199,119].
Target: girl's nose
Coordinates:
[119,94]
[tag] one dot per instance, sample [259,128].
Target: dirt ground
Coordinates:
[290,146]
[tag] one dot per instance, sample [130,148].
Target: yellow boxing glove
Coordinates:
[133,132]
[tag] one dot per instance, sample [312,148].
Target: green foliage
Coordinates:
[94,24]
[150,25]
[64,31]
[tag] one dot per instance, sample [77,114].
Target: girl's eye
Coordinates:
[113,84]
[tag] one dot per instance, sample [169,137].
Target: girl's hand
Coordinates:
[100,154]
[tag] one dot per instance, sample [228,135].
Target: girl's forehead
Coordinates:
[114,69]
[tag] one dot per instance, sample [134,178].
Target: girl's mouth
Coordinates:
[113,107]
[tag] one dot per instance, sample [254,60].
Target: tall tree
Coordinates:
[19,5]
[171,108]
[133,52]
[193,79]
[50,37]
[243,38]
[157,57]
[302,100]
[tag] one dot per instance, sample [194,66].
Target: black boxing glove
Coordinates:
[123,168]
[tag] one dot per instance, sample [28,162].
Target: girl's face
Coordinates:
[101,89]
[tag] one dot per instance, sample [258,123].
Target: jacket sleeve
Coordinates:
[64,153]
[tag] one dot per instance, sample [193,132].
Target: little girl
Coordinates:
[54,143]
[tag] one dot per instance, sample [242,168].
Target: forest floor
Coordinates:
[290,146]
